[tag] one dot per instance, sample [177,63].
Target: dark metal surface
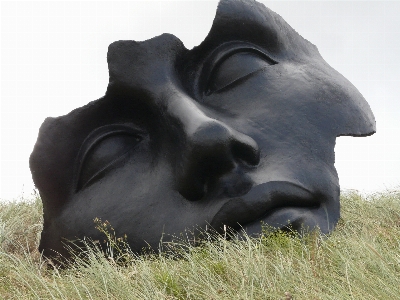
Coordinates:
[238,130]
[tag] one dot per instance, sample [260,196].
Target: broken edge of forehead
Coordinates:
[235,20]
[253,22]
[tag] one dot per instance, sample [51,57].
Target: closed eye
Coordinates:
[235,66]
[105,150]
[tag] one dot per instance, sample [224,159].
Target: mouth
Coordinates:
[275,203]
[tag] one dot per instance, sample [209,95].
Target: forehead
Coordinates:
[252,22]
[133,63]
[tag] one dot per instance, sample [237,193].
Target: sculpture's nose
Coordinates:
[214,150]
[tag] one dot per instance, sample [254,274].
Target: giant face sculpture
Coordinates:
[237,131]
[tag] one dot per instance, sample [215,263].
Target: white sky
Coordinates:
[53,59]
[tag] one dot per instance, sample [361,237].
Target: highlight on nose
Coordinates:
[211,152]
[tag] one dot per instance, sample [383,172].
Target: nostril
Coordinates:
[212,152]
[217,142]
[245,149]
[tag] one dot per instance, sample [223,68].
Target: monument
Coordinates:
[237,131]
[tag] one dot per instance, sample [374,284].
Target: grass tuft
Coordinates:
[359,260]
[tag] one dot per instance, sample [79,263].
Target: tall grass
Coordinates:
[359,260]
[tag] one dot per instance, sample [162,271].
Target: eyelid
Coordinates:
[223,52]
[98,135]
[234,82]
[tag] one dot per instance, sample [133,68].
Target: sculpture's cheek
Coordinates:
[138,199]
[338,101]
[309,98]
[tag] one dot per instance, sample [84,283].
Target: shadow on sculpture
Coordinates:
[237,131]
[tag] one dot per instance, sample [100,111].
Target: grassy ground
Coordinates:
[360,260]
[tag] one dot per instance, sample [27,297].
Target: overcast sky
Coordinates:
[53,59]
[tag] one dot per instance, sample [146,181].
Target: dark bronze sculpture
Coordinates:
[237,131]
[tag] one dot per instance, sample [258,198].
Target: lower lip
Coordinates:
[280,218]
[269,203]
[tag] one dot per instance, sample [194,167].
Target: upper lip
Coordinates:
[260,201]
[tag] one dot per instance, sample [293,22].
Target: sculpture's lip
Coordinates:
[261,201]
[289,217]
